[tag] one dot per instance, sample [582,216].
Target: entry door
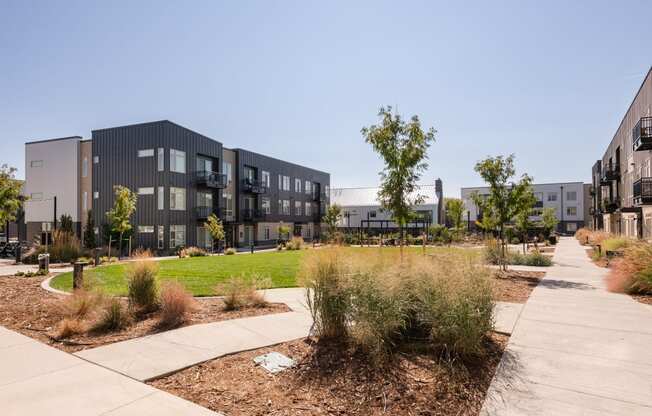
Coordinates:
[249,203]
[248,234]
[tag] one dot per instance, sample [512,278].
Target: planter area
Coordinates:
[515,285]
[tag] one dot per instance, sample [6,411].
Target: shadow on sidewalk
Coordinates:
[564,284]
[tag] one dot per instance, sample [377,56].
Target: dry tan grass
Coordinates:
[241,292]
[143,287]
[81,304]
[69,327]
[632,273]
[176,305]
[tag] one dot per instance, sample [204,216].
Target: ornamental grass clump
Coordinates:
[112,317]
[143,286]
[381,303]
[176,305]
[582,235]
[632,273]
[241,292]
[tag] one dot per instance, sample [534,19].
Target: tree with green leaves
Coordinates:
[10,198]
[120,215]
[331,218]
[403,146]
[89,231]
[215,228]
[522,221]
[549,220]
[455,214]
[505,197]
[283,232]
[65,223]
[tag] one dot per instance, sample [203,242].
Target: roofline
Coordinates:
[54,140]
[534,184]
[239,149]
[152,123]
[373,187]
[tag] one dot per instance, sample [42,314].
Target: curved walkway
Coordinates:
[576,348]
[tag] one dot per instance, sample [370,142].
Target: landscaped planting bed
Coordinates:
[332,378]
[29,309]
[515,286]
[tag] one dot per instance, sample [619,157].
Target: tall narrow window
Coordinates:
[161,237]
[85,201]
[160,159]
[280,182]
[177,161]
[177,199]
[177,235]
[226,169]
[297,185]
[228,205]
[265,178]
[308,209]
[160,198]
[297,208]
[308,187]
[84,167]
[266,205]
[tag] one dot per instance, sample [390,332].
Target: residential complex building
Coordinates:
[180,178]
[622,179]
[361,210]
[569,199]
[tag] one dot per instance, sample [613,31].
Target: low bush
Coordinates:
[106,259]
[81,304]
[69,327]
[112,317]
[142,285]
[142,253]
[229,251]
[176,304]
[597,237]
[381,302]
[295,244]
[192,252]
[440,234]
[632,273]
[241,292]
[582,235]
[535,258]
[615,244]
[492,251]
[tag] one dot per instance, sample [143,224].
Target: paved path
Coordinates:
[37,380]
[576,348]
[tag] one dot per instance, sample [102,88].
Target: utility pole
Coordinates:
[561,223]
[55,213]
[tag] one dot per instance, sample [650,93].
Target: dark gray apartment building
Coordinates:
[180,178]
[621,188]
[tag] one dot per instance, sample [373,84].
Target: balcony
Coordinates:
[252,214]
[210,179]
[202,213]
[592,190]
[611,173]
[610,206]
[642,135]
[643,191]
[254,186]
[538,204]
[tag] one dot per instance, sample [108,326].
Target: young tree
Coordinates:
[332,217]
[549,220]
[455,213]
[524,211]
[215,228]
[66,223]
[123,208]
[283,232]
[89,231]
[403,147]
[10,198]
[505,198]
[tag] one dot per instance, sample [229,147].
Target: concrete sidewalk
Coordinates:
[576,348]
[37,380]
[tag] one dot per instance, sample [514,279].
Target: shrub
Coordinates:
[176,304]
[192,252]
[536,258]
[492,251]
[229,251]
[106,259]
[141,253]
[240,292]
[582,235]
[142,284]
[295,244]
[81,304]
[597,237]
[113,317]
[632,273]
[69,327]
[441,234]
[65,247]
[615,244]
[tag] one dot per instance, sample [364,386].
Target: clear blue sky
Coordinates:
[546,80]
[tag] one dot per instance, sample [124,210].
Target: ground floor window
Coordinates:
[204,239]
[161,237]
[571,227]
[266,233]
[146,229]
[177,236]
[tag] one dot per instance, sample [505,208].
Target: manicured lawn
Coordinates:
[201,275]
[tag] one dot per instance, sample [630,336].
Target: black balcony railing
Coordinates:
[210,179]
[592,190]
[202,213]
[254,186]
[611,173]
[610,206]
[642,134]
[643,191]
[252,214]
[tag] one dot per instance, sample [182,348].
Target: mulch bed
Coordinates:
[515,286]
[27,308]
[334,379]
[647,299]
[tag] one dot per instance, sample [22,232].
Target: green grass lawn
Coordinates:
[201,275]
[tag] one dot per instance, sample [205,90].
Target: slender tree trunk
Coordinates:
[120,247]
[109,247]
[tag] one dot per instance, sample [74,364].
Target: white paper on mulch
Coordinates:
[274,362]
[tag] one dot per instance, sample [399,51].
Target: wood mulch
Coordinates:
[335,379]
[27,308]
[646,299]
[515,285]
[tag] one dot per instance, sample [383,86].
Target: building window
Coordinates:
[283,182]
[96,159]
[552,196]
[571,196]
[204,199]
[85,201]
[36,164]
[226,169]
[161,237]
[36,196]
[280,182]
[571,227]
[96,195]
[297,207]
[266,205]
[204,164]
[308,209]
[177,236]
[286,207]
[146,153]
[160,198]
[204,239]
[145,229]
[177,161]
[372,214]
[571,211]
[327,191]
[280,207]
[308,187]
[148,190]
[266,233]
[160,159]
[228,205]
[266,178]
[84,167]
[297,185]
[177,199]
